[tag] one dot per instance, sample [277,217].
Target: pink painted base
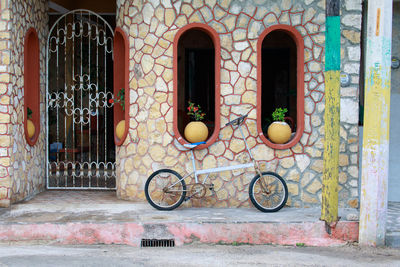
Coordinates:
[310,233]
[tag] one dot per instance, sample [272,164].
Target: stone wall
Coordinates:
[26,163]
[351,16]
[5,107]
[150,145]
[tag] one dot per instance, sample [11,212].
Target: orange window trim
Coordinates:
[32,83]
[121,76]
[298,39]
[217,46]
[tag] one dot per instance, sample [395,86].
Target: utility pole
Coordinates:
[375,153]
[329,208]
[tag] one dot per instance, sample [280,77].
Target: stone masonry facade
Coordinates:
[22,167]
[151,26]
[351,17]
[5,87]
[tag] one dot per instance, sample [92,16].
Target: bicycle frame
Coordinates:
[222,169]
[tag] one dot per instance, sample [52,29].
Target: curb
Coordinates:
[305,233]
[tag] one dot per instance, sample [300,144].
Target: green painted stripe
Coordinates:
[332,43]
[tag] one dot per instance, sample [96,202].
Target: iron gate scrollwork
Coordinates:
[80,148]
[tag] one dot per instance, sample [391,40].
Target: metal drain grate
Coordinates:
[151,243]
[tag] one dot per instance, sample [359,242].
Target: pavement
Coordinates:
[195,255]
[87,217]
[393,225]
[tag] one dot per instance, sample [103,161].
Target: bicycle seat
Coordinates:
[193,145]
[237,121]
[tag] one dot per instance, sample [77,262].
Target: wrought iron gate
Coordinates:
[80,148]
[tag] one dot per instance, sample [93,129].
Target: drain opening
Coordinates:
[149,243]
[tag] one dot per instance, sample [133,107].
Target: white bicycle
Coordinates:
[166,189]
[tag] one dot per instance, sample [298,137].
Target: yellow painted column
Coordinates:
[375,153]
[329,207]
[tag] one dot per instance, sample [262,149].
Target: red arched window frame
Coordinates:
[121,80]
[217,46]
[32,83]
[298,39]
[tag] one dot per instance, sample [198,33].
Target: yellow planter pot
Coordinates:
[279,132]
[120,129]
[30,128]
[196,131]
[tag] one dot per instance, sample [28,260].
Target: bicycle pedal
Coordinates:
[186,199]
[211,187]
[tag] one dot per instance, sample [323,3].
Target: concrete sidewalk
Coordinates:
[195,255]
[393,225]
[86,217]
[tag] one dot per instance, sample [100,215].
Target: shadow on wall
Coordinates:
[394,148]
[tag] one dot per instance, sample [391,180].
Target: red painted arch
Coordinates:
[32,83]
[121,80]
[298,39]
[217,46]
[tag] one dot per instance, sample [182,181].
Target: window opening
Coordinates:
[31,87]
[196,76]
[279,78]
[121,85]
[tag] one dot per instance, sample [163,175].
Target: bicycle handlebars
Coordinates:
[237,121]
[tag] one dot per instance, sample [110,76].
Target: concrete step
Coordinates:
[130,224]
[101,218]
[131,233]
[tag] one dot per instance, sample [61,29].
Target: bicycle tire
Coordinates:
[277,196]
[157,193]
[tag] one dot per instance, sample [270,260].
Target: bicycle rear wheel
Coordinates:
[268,192]
[165,189]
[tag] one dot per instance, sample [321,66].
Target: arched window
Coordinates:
[31,86]
[196,78]
[121,77]
[281,80]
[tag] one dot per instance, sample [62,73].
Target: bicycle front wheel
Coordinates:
[268,192]
[165,189]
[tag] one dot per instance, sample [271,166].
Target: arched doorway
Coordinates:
[80,142]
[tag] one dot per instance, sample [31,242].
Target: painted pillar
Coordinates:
[375,157]
[329,209]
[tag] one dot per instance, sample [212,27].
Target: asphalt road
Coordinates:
[194,255]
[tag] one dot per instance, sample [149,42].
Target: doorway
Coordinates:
[80,142]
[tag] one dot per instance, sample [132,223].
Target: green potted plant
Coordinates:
[120,99]
[279,131]
[30,126]
[196,130]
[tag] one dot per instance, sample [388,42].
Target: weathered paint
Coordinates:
[329,207]
[74,233]
[332,44]
[374,180]
[309,233]
[378,21]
